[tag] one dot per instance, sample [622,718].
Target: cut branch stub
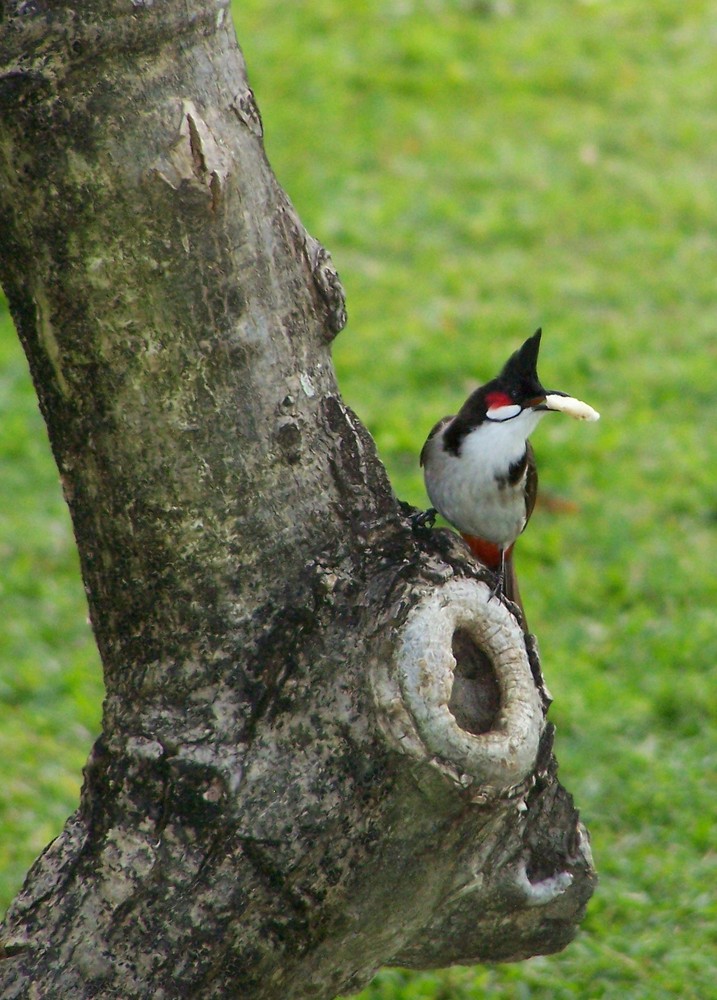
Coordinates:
[434,705]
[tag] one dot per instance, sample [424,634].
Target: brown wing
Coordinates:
[531,483]
[434,430]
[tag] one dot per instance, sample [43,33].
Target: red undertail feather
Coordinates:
[489,555]
[487,552]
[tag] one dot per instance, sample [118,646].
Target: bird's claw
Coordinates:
[425,519]
[497,588]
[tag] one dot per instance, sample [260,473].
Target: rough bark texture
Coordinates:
[323,749]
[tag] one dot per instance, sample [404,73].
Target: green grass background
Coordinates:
[478,169]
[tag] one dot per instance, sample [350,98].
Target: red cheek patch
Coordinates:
[496,399]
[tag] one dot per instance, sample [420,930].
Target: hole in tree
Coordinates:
[475,696]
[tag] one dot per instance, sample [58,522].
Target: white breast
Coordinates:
[468,489]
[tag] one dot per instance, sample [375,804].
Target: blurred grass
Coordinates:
[478,169]
[50,678]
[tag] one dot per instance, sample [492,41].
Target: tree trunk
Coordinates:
[323,748]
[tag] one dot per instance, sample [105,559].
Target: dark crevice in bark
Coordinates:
[475,697]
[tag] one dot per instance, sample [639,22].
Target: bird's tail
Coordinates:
[511,589]
[490,555]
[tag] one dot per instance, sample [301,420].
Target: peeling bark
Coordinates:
[323,748]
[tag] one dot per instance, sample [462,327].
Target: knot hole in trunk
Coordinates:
[475,695]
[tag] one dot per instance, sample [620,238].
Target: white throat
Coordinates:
[496,445]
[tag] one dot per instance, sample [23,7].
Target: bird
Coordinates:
[479,467]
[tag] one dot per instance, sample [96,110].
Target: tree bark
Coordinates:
[323,748]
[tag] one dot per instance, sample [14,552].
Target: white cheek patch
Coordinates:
[573,407]
[500,413]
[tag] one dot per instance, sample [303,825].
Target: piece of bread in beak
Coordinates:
[573,407]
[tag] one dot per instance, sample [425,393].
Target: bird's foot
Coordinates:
[424,519]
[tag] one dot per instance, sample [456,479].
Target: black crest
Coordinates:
[520,372]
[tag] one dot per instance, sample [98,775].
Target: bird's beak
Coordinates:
[560,402]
